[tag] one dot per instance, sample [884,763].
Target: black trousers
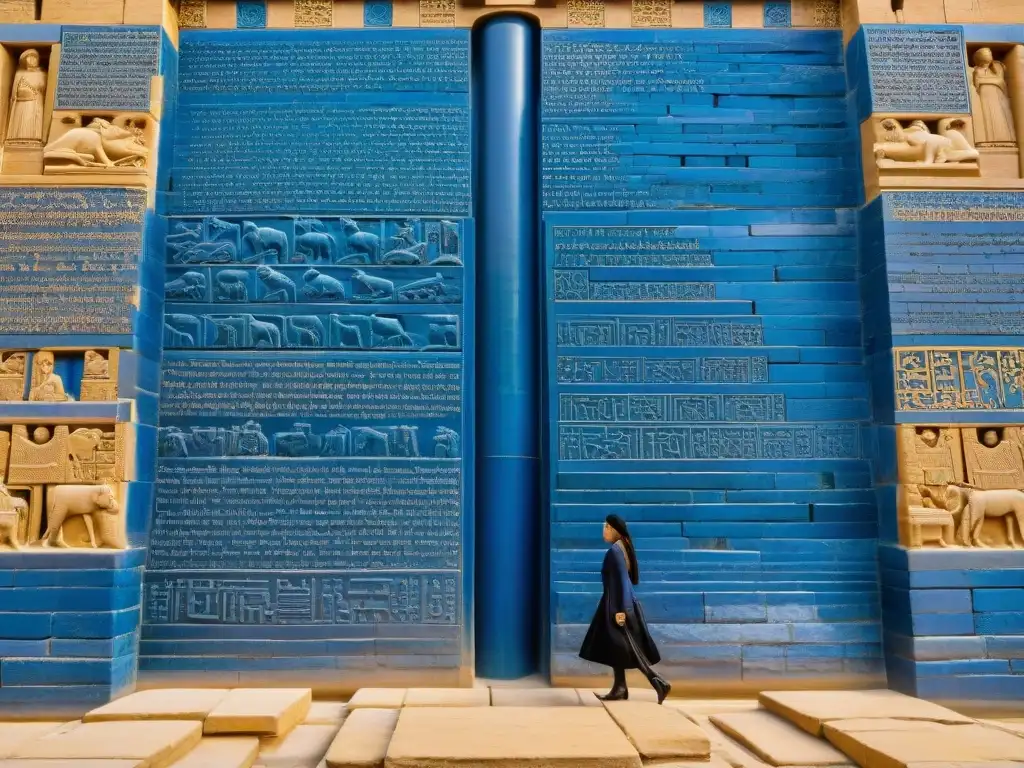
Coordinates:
[641,662]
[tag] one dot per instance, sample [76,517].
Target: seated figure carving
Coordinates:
[99,144]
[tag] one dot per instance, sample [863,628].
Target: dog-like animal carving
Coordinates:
[97,506]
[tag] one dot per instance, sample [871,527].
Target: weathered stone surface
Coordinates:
[659,733]
[169,704]
[13,735]
[588,698]
[448,697]
[363,740]
[713,762]
[377,698]
[153,743]
[220,752]
[810,710]
[1005,725]
[553,737]
[775,740]
[636,693]
[61,763]
[326,713]
[304,746]
[732,752]
[885,745]
[535,697]
[260,711]
[713,706]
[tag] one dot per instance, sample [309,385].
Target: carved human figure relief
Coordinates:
[994,458]
[28,93]
[47,386]
[993,119]
[915,144]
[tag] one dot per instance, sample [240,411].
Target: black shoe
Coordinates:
[662,687]
[616,694]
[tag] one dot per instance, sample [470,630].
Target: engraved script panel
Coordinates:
[107,68]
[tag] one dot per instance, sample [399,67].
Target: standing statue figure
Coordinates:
[47,386]
[994,121]
[618,636]
[27,96]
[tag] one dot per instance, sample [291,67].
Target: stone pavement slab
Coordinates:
[448,697]
[259,711]
[636,693]
[535,697]
[13,735]
[161,704]
[154,743]
[363,740]
[713,706]
[377,698]
[523,737]
[810,710]
[18,763]
[326,713]
[777,741]
[304,747]
[657,732]
[882,743]
[722,746]
[220,752]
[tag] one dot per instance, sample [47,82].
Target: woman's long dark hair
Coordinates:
[619,526]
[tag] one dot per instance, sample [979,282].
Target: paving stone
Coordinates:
[882,743]
[486,737]
[775,740]
[1005,725]
[13,735]
[154,743]
[810,710]
[448,697]
[535,697]
[160,704]
[636,693]
[657,732]
[220,752]
[304,747]
[260,711]
[326,713]
[713,706]
[377,698]
[62,763]
[363,740]
[713,762]
[732,752]
[588,698]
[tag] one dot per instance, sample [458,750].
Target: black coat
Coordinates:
[605,642]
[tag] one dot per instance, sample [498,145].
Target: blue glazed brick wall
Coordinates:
[313,480]
[704,347]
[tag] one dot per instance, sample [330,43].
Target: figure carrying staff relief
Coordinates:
[618,636]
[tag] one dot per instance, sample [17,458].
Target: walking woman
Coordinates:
[618,636]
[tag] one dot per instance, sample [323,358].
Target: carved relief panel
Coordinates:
[59,375]
[996,78]
[91,143]
[26,96]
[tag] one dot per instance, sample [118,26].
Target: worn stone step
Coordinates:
[161,704]
[153,743]
[658,732]
[777,741]
[326,713]
[485,737]
[363,740]
[220,752]
[259,711]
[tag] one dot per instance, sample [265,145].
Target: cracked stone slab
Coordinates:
[659,733]
[777,741]
[220,752]
[509,737]
[153,743]
[13,735]
[887,743]
[160,704]
[810,710]
[448,697]
[535,697]
[363,740]
[306,745]
[377,698]
[259,711]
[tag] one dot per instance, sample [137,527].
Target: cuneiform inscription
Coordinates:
[91,59]
[661,370]
[303,599]
[327,514]
[651,13]
[586,13]
[667,441]
[954,206]
[626,247]
[437,13]
[657,332]
[314,13]
[917,69]
[672,408]
[988,378]
[299,386]
[192,14]
[575,285]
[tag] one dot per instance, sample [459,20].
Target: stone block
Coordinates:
[657,732]
[221,752]
[259,711]
[156,744]
[363,740]
[326,713]
[889,743]
[161,704]
[305,745]
[62,763]
[775,740]
[448,697]
[14,735]
[73,12]
[810,710]
[580,737]
[377,698]
[535,697]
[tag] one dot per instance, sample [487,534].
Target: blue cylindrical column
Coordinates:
[506,94]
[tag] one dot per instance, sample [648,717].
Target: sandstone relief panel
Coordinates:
[59,376]
[996,76]
[27,114]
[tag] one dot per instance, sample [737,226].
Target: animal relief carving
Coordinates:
[915,148]
[80,144]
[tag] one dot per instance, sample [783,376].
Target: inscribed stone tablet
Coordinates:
[108,68]
[917,69]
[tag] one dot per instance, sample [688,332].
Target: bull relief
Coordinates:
[961,486]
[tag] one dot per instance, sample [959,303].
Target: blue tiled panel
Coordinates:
[778,13]
[93,57]
[717,13]
[378,13]
[251,14]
